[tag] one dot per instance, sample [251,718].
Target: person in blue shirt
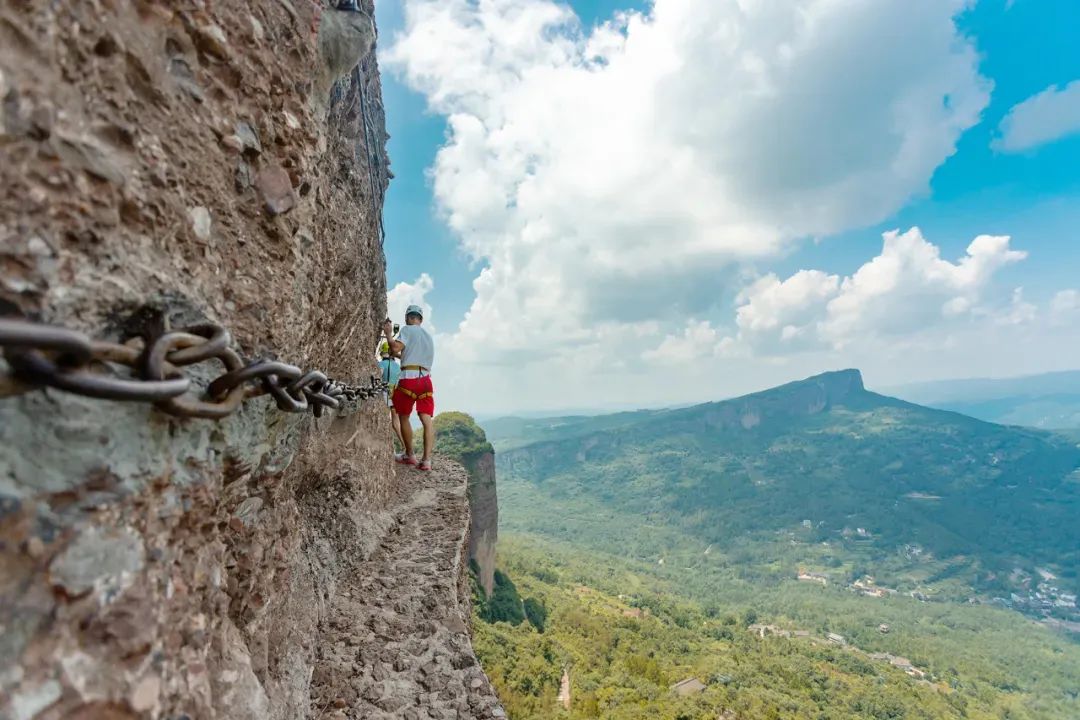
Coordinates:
[391,371]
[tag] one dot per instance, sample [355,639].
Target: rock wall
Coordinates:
[484,526]
[460,438]
[163,163]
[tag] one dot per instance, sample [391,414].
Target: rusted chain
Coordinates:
[41,355]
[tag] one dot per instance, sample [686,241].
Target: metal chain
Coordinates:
[41,355]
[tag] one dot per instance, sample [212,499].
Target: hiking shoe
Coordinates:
[424,465]
[403,459]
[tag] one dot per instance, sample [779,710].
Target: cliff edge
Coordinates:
[463,440]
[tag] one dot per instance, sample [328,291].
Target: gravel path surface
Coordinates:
[397,641]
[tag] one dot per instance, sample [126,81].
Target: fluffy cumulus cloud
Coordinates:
[700,341]
[1050,115]
[1065,306]
[908,287]
[618,173]
[780,314]
[615,181]
[404,294]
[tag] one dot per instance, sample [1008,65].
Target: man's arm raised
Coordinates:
[396,346]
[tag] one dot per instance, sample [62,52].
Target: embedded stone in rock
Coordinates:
[242,179]
[185,78]
[249,139]
[248,511]
[98,558]
[257,31]
[276,189]
[144,697]
[87,157]
[212,40]
[28,703]
[391,703]
[34,547]
[200,222]
[42,120]
[455,624]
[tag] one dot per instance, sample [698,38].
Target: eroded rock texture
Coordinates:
[163,163]
[484,531]
[397,643]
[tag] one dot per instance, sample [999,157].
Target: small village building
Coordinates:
[690,686]
[763,630]
[812,577]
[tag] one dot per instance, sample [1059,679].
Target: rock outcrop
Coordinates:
[162,164]
[484,530]
[804,397]
[460,438]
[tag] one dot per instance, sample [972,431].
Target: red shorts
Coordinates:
[416,391]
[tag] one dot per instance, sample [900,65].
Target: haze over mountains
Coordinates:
[1049,400]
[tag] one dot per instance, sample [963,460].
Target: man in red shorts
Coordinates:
[417,352]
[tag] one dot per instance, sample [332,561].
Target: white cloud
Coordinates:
[619,175]
[1065,306]
[698,342]
[404,294]
[780,315]
[1019,311]
[907,288]
[1050,115]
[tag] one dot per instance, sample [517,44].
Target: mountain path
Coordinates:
[396,643]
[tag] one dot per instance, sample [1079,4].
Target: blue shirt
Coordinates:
[390,371]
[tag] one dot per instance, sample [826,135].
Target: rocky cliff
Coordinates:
[460,438]
[484,528]
[169,163]
[796,399]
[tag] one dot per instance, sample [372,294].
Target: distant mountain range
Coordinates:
[1050,400]
[820,472]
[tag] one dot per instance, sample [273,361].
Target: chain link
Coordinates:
[41,355]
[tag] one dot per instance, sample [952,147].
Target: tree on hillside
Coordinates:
[459,437]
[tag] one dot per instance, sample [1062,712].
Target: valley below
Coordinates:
[813,551]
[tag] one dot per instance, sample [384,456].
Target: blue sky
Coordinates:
[1032,195]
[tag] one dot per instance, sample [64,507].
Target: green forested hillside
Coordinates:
[656,545]
[627,632]
[821,475]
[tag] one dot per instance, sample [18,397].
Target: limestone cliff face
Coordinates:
[163,163]
[484,528]
[805,397]
[460,438]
